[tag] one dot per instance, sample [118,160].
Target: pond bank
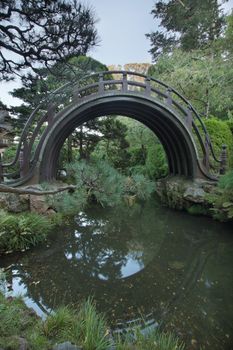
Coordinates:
[197,197]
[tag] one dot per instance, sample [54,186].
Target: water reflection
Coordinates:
[148,260]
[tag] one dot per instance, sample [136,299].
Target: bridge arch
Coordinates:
[174,136]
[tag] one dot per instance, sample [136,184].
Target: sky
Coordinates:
[122,25]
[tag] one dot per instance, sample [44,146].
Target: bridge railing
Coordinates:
[41,119]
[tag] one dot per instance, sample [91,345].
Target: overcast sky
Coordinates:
[122,25]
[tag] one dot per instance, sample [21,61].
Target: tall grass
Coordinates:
[19,232]
[153,340]
[81,326]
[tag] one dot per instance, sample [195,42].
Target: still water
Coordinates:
[173,269]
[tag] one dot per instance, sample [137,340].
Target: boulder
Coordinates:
[194,195]
[14,203]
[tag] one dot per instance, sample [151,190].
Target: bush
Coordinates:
[101,183]
[156,162]
[220,134]
[19,232]
[226,181]
[8,156]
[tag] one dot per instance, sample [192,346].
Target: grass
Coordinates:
[82,326]
[21,231]
[153,340]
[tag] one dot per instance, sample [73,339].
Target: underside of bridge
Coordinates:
[175,137]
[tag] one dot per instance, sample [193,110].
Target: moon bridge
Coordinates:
[164,110]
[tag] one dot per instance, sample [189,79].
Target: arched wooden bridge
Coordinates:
[167,113]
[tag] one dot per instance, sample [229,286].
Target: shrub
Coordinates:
[19,232]
[226,181]
[156,162]
[220,133]
[100,182]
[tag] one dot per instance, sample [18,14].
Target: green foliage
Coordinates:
[156,162]
[9,155]
[138,186]
[221,200]
[204,77]
[226,181]
[197,209]
[19,232]
[82,326]
[153,340]
[220,134]
[14,320]
[68,203]
[57,323]
[147,155]
[99,180]
[197,23]
[91,329]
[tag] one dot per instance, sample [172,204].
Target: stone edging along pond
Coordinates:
[197,197]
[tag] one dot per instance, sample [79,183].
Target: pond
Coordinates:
[173,269]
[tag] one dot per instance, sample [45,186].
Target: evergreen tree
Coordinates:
[188,24]
[41,32]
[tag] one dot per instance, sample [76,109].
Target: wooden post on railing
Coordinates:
[24,159]
[50,113]
[223,160]
[189,118]
[101,84]
[1,169]
[124,82]
[207,153]
[169,96]
[148,86]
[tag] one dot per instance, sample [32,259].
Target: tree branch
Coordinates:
[27,190]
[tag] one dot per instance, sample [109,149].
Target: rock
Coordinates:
[50,212]
[38,204]
[66,346]
[14,203]
[23,344]
[194,195]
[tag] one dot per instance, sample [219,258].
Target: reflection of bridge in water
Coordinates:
[162,109]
